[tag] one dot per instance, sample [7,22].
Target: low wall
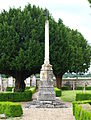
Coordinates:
[72,82]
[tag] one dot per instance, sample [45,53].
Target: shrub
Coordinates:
[11,109]
[66,88]
[9,88]
[83,96]
[88,88]
[79,112]
[16,96]
[58,92]
[33,89]
[81,88]
[27,88]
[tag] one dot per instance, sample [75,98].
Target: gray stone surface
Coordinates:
[46,104]
[46,90]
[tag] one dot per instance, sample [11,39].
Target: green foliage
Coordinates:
[16,96]
[81,88]
[9,88]
[88,87]
[66,88]
[58,92]
[32,89]
[27,88]
[83,96]
[70,95]
[22,44]
[79,112]
[11,109]
[89,1]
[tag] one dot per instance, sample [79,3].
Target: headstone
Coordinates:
[33,80]
[1,80]
[84,83]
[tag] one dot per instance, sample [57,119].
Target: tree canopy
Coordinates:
[89,1]
[22,45]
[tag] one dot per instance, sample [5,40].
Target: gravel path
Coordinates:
[46,113]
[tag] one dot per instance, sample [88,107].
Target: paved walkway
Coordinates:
[46,113]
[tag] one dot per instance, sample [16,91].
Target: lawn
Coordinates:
[70,95]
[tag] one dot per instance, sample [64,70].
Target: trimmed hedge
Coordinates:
[33,89]
[79,112]
[9,88]
[16,96]
[88,88]
[11,109]
[58,92]
[66,88]
[27,88]
[83,96]
[81,88]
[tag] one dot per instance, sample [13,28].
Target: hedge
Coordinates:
[83,96]
[79,112]
[16,96]
[9,88]
[81,88]
[11,109]
[32,89]
[66,88]
[58,92]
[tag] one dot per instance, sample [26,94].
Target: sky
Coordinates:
[76,14]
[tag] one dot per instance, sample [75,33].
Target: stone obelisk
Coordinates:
[46,90]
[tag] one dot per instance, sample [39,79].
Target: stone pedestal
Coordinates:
[46,90]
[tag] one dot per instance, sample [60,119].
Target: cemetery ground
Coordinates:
[68,96]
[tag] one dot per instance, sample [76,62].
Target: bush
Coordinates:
[27,88]
[16,96]
[66,88]
[11,109]
[33,89]
[58,92]
[81,88]
[83,96]
[79,112]
[88,88]
[9,88]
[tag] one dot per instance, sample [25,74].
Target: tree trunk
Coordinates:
[59,81]
[19,82]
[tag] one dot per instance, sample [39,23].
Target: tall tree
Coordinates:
[89,1]
[20,50]
[22,45]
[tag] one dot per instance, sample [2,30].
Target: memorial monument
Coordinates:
[46,96]
[46,90]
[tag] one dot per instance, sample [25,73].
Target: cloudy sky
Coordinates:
[75,13]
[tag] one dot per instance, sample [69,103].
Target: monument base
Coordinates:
[46,89]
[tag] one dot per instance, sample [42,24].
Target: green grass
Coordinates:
[70,95]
